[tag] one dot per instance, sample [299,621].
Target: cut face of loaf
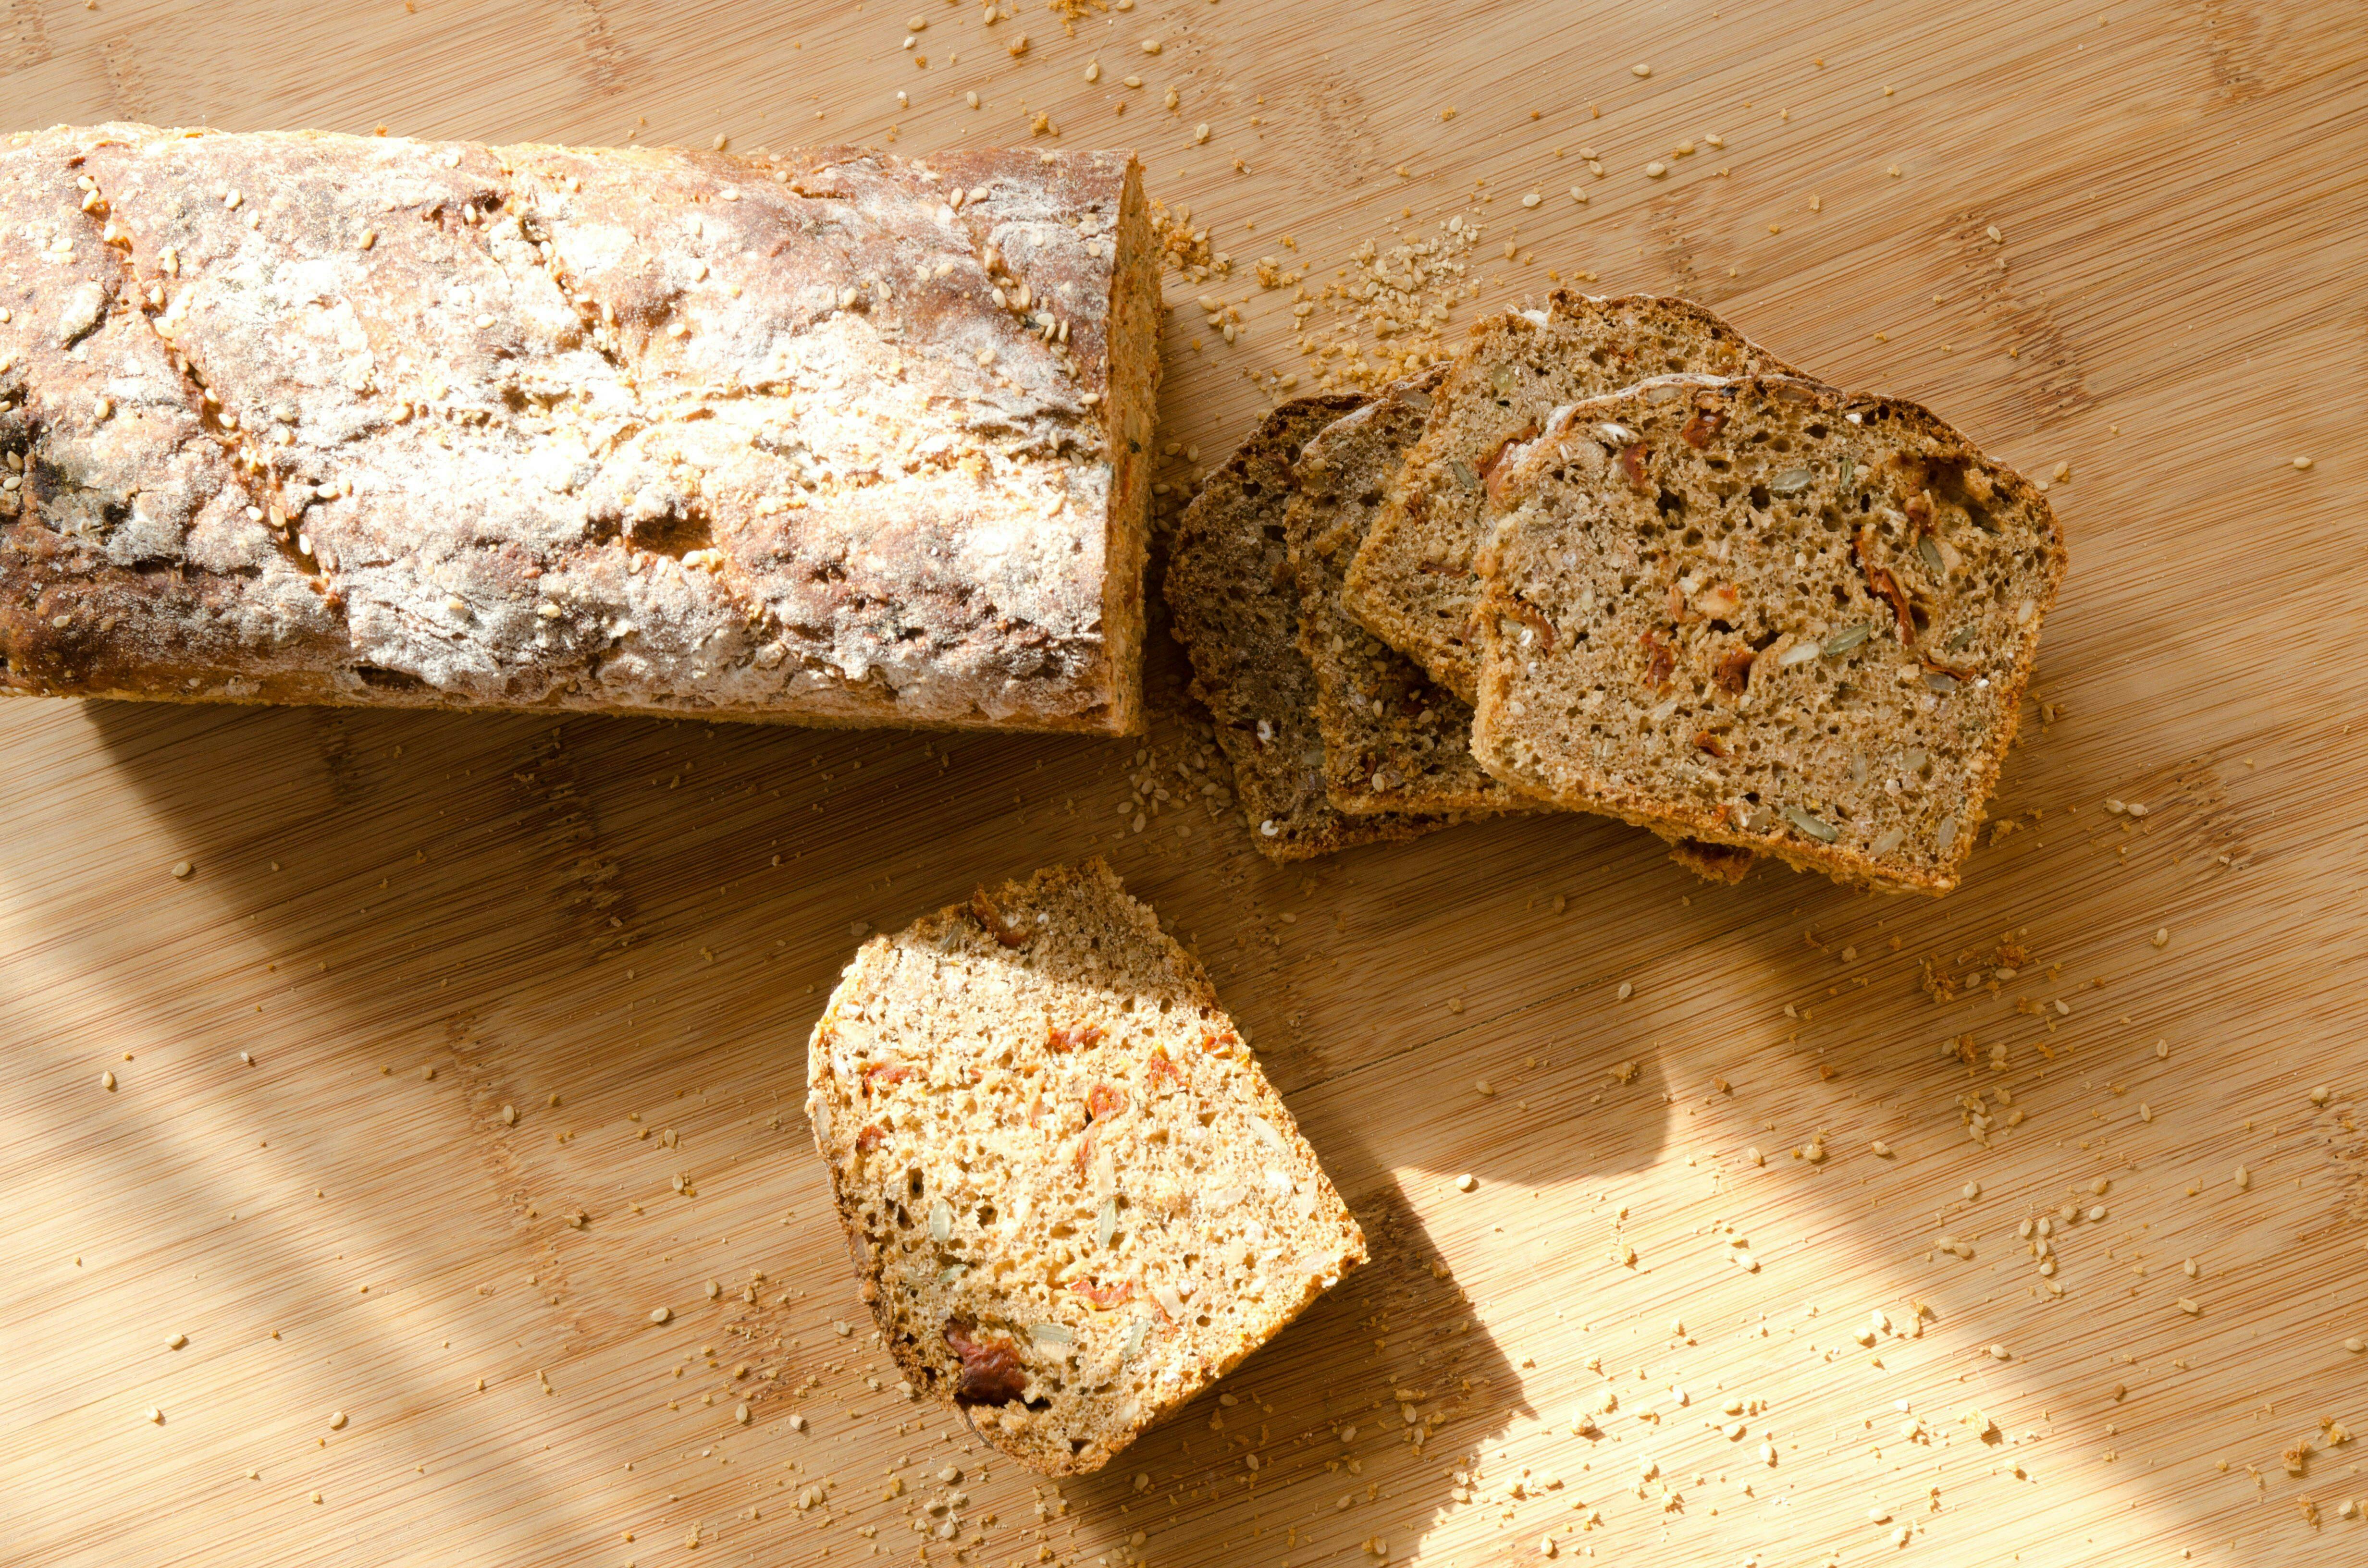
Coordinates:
[1074,1199]
[1414,583]
[1235,608]
[832,438]
[1394,741]
[1767,615]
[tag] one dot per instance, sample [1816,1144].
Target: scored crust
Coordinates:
[1073,1198]
[1766,614]
[831,436]
[1235,607]
[1413,581]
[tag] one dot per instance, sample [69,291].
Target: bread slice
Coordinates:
[1073,1198]
[1394,741]
[1766,614]
[1235,609]
[1412,583]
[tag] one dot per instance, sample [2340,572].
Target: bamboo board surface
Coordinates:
[417,926]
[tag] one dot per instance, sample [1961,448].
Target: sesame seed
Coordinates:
[1973,1189]
[1655,169]
[2302,462]
[1466,1182]
[181,870]
[2000,1353]
[107,1081]
[177,1342]
[1094,71]
[1881,1149]
[1200,131]
[2244,1179]
[1531,199]
[2189,1305]
[509,1116]
[2355,1344]
[2321,1095]
[1641,69]
[1626,990]
[660,1315]
[337,1420]
[155,1415]
[1151,46]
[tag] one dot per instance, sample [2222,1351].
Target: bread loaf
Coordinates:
[1764,614]
[826,438]
[1073,1198]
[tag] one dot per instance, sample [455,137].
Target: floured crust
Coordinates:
[629,430]
[1766,614]
[1236,606]
[1414,581]
[1392,739]
[1073,1198]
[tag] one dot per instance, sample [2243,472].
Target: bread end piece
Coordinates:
[1766,614]
[1034,1110]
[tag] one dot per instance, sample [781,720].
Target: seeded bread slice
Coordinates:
[1235,609]
[1394,741]
[1414,583]
[1766,614]
[1072,1197]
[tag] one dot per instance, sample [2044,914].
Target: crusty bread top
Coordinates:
[1414,581]
[1766,614]
[1072,1195]
[842,406]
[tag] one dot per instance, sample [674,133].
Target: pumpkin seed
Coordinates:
[1106,1224]
[1822,831]
[942,1221]
[952,1272]
[1948,834]
[1791,481]
[1267,1135]
[1051,1333]
[1850,467]
[1462,472]
[1133,1342]
[1849,637]
[1943,684]
[1887,841]
[1961,638]
[1931,551]
[1502,380]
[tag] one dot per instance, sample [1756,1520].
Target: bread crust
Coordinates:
[1497,730]
[796,437]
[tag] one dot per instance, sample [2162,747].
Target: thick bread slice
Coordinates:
[1393,740]
[1073,1198]
[1764,614]
[1237,611]
[1412,581]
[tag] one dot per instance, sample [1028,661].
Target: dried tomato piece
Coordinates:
[1663,664]
[1163,1070]
[880,1074]
[991,1372]
[1531,616]
[992,919]
[1632,463]
[1705,741]
[1102,1296]
[870,1138]
[1104,1101]
[1070,1037]
[1732,671]
[1885,583]
[1493,466]
[1704,427]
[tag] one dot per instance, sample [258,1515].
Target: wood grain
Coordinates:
[411,922]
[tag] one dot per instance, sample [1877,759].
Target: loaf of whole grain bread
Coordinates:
[824,437]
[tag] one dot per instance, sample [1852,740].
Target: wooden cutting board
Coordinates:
[467,1043]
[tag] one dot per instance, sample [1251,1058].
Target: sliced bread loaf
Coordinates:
[1073,1198]
[1764,614]
[1393,740]
[1235,608]
[1412,581]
